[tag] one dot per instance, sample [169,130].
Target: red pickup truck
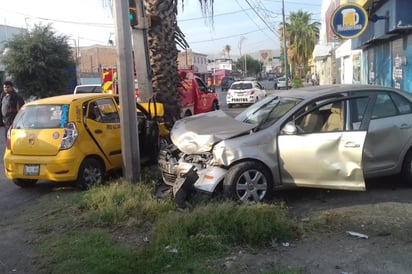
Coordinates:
[196,96]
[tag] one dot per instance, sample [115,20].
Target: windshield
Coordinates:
[267,111]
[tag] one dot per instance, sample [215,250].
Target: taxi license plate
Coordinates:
[31,170]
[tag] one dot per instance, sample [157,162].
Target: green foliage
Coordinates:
[121,203]
[297,82]
[38,62]
[211,230]
[90,252]
[253,66]
[83,231]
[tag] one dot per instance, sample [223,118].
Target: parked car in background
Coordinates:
[226,82]
[74,138]
[324,136]
[245,92]
[92,88]
[281,83]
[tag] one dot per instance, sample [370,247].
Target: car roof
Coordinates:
[244,82]
[68,98]
[317,91]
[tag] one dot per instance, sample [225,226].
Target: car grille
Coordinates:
[169,178]
[168,169]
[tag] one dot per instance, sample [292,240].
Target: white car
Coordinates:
[244,92]
[281,83]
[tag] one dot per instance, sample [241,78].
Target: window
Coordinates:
[103,111]
[403,105]
[41,117]
[384,107]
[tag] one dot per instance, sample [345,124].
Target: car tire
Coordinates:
[25,182]
[215,106]
[91,173]
[248,182]
[406,173]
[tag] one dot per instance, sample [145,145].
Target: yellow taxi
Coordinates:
[75,138]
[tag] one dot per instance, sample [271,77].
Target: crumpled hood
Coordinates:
[198,133]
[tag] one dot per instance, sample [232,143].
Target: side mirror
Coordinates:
[289,129]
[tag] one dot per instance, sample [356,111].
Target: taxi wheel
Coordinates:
[91,173]
[25,182]
[248,182]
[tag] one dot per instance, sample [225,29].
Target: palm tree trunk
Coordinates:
[163,54]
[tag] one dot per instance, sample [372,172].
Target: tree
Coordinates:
[38,62]
[253,66]
[301,37]
[164,37]
[227,50]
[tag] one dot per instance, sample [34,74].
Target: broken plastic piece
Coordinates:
[356,234]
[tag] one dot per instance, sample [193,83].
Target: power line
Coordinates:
[215,15]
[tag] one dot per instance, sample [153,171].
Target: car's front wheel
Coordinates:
[248,182]
[25,182]
[91,173]
[406,173]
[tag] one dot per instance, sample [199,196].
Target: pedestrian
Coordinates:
[1,115]
[10,105]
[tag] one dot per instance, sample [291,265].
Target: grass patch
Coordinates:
[79,231]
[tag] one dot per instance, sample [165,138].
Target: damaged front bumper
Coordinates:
[189,171]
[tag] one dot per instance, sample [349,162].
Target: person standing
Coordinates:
[10,105]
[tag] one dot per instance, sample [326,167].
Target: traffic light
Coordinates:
[133,13]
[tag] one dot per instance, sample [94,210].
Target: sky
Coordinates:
[247,26]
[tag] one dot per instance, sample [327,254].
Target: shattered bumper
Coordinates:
[200,177]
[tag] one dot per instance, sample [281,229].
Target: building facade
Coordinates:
[189,58]
[6,33]
[381,55]
[386,44]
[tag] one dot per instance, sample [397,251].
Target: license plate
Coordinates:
[31,170]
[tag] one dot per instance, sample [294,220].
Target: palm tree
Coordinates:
[301,37]
[164,36]
[227,50]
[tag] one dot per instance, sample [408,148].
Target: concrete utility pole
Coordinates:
[128,117]
[141,53]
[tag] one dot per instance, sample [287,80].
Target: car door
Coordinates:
[389,134]
[204,101]
[103,125]
[328,157]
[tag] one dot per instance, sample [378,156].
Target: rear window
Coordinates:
[88,89]
[41,116]
[240,86]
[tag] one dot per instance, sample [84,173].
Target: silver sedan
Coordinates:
[321,136]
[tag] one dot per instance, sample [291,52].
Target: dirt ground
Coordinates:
[383,213]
